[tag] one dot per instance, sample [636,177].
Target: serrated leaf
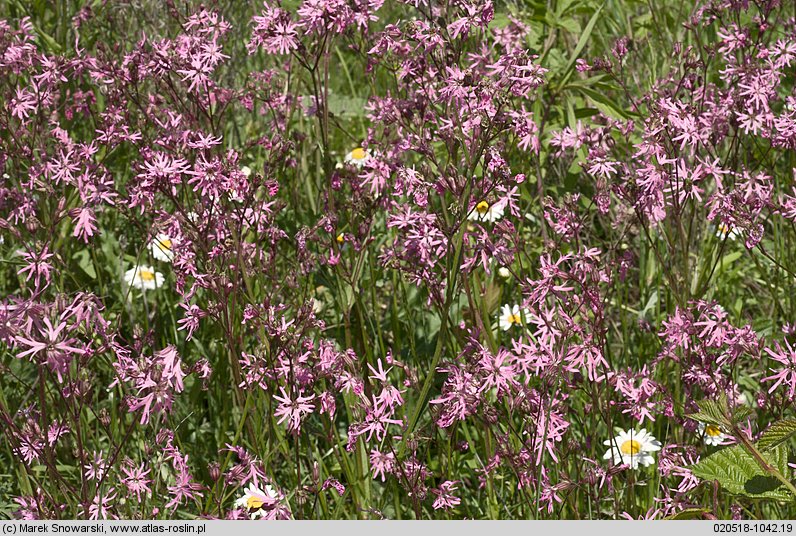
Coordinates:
[718,412]
[739,473]
[740,413]
[713,412]
[777,434]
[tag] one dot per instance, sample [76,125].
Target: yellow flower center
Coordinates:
[358,153]
[482,207]
[254,503]
[712,430]
[515,319]
[165,244]
[630,447]
[340,238]
[724,228]
[146,275]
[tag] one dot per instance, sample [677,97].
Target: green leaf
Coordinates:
[730,258]
[713,412]
[651,303]
[740,413]
[777,434]
[740,474]
[345,106]
[570,25]
[602,102]
[689,513]
[83,259]
[49,43]
[726,262]
[718,412]
[500,20]
[584,38]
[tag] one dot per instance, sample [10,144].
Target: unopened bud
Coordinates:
[316,473]
[214,470]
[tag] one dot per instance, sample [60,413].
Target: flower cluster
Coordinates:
[354,258]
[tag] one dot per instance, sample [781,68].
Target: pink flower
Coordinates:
[99,508]
[38,266]
[786,375]
[184,489]
[54,341]
[381,464]
[23,104]
[445,495]
[274,31]
[84,224]
[135,479]
[156,379]
[292,411]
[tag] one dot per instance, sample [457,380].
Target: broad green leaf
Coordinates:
[570,25]
[739,473]
[777,434]
[726,262]
[713,412]
[740,413]
[718,412]
[689,513]
[563,6]
[344,106]
[48,42]
[348,297]
[500,20]
[651,303]
[574,169]
[83,259]
[730,258]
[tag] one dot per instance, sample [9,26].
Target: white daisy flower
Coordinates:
[317,306]
[483,211]
[254,499]
[143,277]
[510,315]
[322,296]
[358,157]
[504,272]
[632,448]
[162,248]
[233,194]
[723,230]
[712,434]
